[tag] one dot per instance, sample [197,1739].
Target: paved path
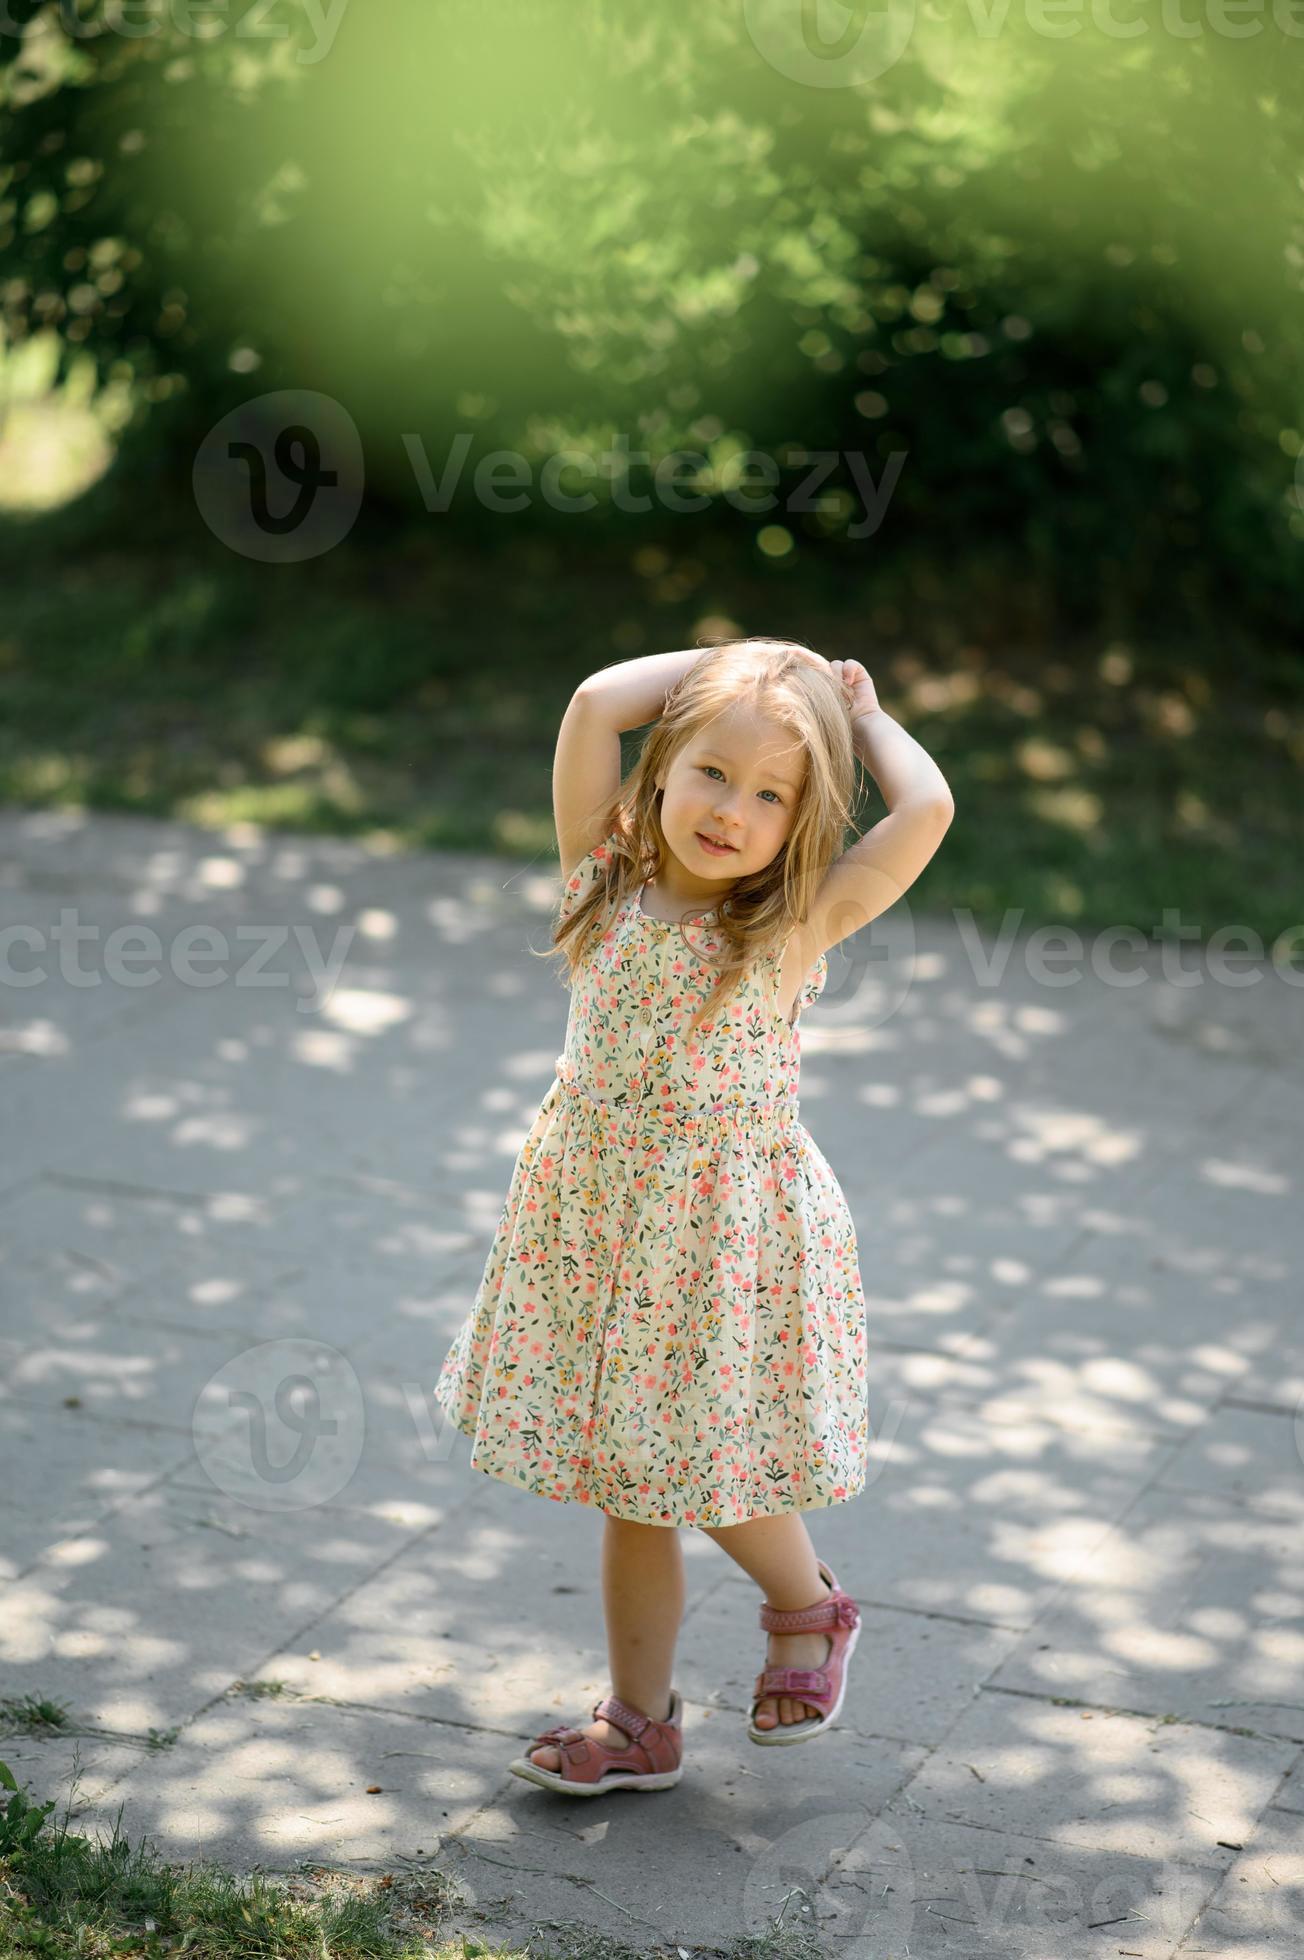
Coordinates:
[1076,1722]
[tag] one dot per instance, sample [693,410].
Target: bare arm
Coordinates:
[882,865]
[633,692]
[904,771]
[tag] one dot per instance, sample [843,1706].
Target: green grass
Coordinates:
[64,1894]
[406,690]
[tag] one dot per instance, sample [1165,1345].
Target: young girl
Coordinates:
[671,1324]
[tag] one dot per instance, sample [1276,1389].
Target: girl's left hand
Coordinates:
[858,690]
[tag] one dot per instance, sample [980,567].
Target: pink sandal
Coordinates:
[838,1616]
[650,1761]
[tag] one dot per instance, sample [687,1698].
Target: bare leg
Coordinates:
[778,1554]
[643,1600]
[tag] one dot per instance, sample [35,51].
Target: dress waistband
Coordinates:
[729,1112]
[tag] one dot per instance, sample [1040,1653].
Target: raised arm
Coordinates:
[633,692]
[586,769]
[882,865]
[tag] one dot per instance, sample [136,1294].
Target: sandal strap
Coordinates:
[632,1720]
[571,1743]
[805,1683]
[659,1743]
[838,1610]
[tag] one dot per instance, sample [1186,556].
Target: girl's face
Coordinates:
[737,780]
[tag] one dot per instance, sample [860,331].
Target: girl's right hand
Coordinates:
[858,690]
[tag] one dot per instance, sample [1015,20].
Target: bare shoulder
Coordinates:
[878,869]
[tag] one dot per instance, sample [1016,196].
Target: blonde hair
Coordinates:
[795,688]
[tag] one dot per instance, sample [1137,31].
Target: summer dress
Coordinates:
[671,1322]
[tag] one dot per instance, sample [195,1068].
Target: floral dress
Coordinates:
[671,1324]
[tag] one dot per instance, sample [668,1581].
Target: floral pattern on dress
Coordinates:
[670,1325]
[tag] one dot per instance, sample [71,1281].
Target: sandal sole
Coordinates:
[549,1779]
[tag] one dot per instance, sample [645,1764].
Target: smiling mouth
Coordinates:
[719,842]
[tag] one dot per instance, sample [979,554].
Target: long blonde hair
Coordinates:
[781,680]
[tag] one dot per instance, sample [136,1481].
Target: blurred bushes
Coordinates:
[1059,272]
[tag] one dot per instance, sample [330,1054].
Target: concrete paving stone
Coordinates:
[1259,1907]
[275,1781]
[1290,1795]
[989,1375]
[348,1306]
[76,1772]
[137,1623]
[1230,1210]
[918,1887]
[367,1223]
[1046,1182]
[116,1366]
[242,864]
[911,1675]
[123,1231]
[63,1472]
[1275,1113]
[1207,1023]
[66,1008]
[722,1831]
[199,1121]
[1110,1781]
[1275,1378]
[494,1620]
[1095,1123]
[942,1252]
[41,1284]
[979,1519]
[1189,1607]
[397,1453]
[1115,1340]
[1247,1456]
[202,1287]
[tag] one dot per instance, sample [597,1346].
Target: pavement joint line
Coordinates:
[1143,1489]
[106,1420]
[1138,1188]
[25,1400]
[1268,1509]
[129,1497]
[1255,1407]
[1215,1871]
[571,1878]
[1170,1720]
[1246,1507]
[117,1187]
[295,1637]
[969,1399]
[341,1510]
[924,1612]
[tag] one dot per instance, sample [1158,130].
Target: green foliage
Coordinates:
[1061,275]
[20,1821]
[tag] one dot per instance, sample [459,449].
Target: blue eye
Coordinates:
[708,767]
